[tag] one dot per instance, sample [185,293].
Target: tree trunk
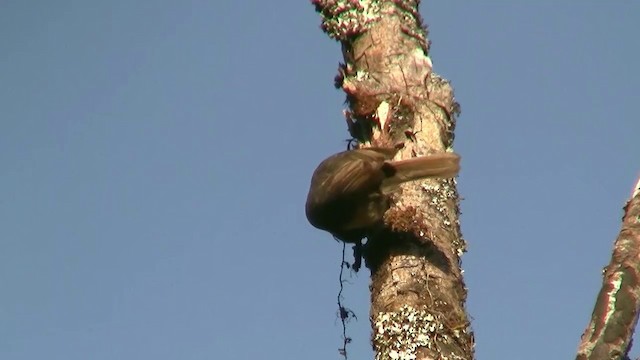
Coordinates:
[417,289]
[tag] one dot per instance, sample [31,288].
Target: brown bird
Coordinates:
[348,192]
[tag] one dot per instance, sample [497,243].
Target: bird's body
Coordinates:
[348,192]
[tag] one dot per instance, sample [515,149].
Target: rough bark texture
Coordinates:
[614,318]
[417,289]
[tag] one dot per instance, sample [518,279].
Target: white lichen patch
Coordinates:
[361,75]
[342,19]
[440,193]
[399,334]
[616,284]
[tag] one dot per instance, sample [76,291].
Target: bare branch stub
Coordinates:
[417,281]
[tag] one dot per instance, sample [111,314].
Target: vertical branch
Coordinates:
[417,290]
[615,314]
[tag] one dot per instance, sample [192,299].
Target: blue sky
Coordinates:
[156,157]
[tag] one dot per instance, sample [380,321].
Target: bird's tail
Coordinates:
[442,165]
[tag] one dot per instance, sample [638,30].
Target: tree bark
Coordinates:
[615,314]
[417,289]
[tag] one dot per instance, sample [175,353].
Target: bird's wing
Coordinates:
[358,176]
[377,153]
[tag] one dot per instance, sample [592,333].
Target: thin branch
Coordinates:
[344,313]
[615,314]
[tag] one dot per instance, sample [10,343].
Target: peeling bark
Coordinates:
[615,314]
[417,289]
